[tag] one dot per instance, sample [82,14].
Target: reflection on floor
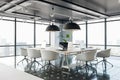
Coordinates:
[112,73]
[60,74]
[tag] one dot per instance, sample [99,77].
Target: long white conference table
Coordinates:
[65,53]
[8,73]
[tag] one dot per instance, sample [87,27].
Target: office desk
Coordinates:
[8,73]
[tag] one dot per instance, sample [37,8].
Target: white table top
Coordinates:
[8,73]
[69,51]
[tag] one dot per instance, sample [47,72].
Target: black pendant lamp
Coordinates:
[71,26]
[52,28]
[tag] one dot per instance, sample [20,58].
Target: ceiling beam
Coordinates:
[11,4]
[86,9]
[15,4]
[80,12]
[18,6]
[44,19]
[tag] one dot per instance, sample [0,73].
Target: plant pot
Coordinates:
[64,45]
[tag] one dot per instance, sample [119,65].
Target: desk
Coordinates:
[8,73]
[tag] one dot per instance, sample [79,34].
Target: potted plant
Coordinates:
[67,36]
[64,43]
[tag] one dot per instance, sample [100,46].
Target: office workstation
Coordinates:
[60,39]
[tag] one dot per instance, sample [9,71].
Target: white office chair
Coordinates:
[47,55]
[25,54]
[86,57]
[33,54]
[104,54]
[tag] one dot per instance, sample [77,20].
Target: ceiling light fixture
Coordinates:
[71,26]
[52,27]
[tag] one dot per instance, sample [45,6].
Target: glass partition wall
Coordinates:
[41,34]
[26,33]
[113,38]
[98,34]
[101,34]
[24,38]
[7,42]
[79,37]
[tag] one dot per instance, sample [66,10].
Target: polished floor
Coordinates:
[111,73]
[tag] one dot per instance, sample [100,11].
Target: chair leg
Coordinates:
[33,63]
[37,63]
[89,67]
[20,61]
[99,62]
[109,63]
[49,65]
[104,63]
[24,59]
[30,67]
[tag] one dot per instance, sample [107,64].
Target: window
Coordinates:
[96,35]
[113,38]
[6,38]
[25,35]
[79,36]
[7,42]
[41,34]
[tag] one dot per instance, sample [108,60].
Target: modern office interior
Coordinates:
[34,35]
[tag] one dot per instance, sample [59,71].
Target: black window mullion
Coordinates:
[15,38]
[105,33]
[34,33]
[86,34]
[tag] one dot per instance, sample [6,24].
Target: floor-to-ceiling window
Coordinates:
[7,40]
[41,34]
[113,38]
[24,35]
[24,38]
[79,36]
[96,34]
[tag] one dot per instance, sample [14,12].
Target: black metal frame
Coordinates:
[15,39]
[105,21]
[34,33]
[86,34]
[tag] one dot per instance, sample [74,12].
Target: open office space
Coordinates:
[59,39]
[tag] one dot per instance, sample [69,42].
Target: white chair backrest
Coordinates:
[87,56]
[104,53]
[34,53]
[23,52]
[49,55]
[90,55]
